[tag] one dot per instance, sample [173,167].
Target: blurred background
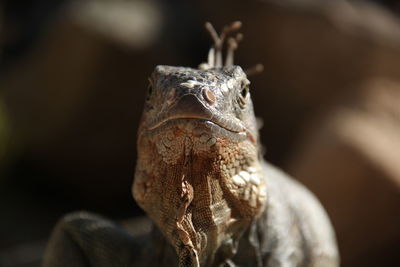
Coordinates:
[73,77]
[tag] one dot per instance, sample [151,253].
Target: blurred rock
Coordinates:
[350,160]
[77,98]
[135,24]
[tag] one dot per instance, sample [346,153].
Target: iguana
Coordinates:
[201,178]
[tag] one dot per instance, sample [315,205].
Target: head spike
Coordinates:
[213,33]
[235,26]
[215,59]
[232,46]
[211,57]
[239,37]
[257,69]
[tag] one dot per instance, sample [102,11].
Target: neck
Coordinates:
[202,200]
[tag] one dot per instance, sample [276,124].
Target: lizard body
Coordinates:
[201,179]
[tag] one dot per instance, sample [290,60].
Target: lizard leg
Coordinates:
[86,240]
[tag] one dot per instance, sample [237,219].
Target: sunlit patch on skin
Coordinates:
[190,84]
[224,88]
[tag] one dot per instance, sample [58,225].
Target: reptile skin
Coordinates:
[201,179]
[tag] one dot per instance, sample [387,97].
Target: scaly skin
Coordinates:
[198,175]
[201,179]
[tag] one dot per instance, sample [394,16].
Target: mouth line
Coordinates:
[197,118]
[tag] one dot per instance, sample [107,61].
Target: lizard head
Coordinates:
[219,97]
[198,175]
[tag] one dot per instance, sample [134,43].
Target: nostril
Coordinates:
[209,96]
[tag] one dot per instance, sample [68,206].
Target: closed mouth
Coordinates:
[234,128]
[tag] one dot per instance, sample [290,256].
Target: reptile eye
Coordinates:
[245,91]
[243,95]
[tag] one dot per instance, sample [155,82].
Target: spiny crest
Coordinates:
[215,58]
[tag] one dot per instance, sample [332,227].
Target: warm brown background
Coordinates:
[73,77]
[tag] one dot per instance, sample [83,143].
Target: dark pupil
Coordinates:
[245,91]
